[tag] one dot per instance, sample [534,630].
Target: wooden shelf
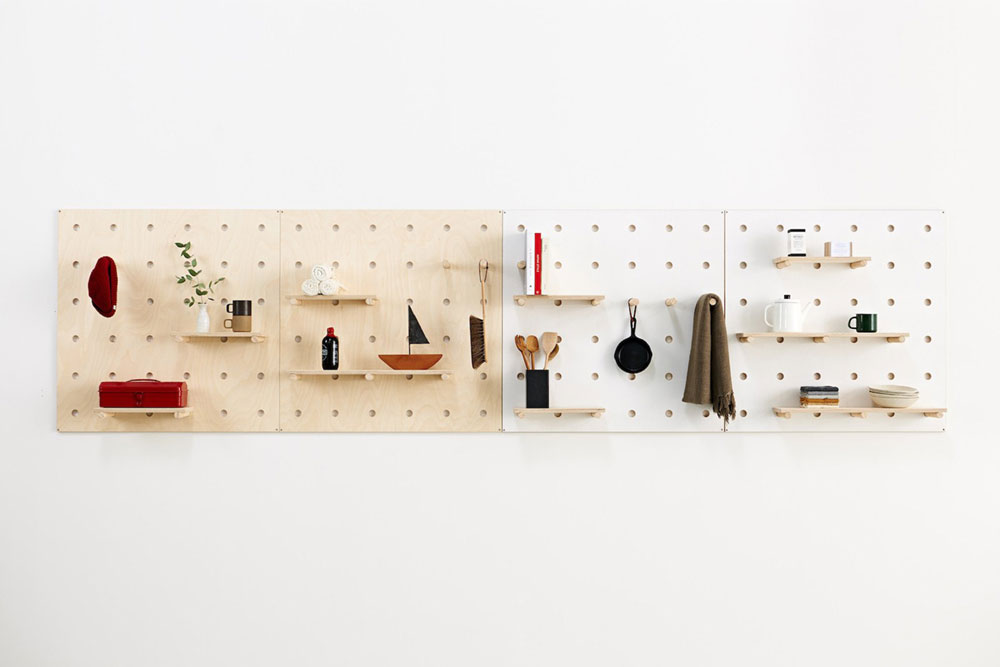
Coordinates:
[371,374]
[594,299]
[188,336]
[367,299]
[179,413]
[823,337]
[853,262]
[859,412]
[521,413]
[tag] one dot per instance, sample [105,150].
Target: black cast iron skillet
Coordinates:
[633,354]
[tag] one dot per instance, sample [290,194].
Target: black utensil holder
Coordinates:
[536,389]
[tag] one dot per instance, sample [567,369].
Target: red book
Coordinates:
[538,263]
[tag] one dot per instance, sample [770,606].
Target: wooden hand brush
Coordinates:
[477,327]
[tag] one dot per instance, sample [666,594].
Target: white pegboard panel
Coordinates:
[649,255]
[904,284]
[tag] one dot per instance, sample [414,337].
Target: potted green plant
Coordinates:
[203,290]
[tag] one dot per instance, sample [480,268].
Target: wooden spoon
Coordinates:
[531,343]
[519,342]
[549,340]
[551,355]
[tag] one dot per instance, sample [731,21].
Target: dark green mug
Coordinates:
[864,323]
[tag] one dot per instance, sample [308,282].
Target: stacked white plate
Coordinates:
[893,395]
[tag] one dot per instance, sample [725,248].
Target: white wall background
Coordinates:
[498,550]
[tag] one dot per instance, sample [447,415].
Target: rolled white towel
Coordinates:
[329,287]
[310,287]
[321,272]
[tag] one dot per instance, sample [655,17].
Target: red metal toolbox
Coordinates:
[143,394]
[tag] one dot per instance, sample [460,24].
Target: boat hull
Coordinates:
[410,362]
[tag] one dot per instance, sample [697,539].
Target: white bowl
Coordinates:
[893,390]
[883,401]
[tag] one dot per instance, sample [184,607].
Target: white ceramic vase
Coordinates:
[204,322]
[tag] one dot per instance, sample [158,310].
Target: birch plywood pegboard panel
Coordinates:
[232,383]
[426,259]
[904,284]
[649,255]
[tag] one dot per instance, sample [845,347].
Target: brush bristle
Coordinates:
[477,336]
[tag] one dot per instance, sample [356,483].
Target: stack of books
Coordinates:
[819,396]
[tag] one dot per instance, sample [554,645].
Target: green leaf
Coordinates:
[192,272]
[185,255]
[179,245]
[194,262]
[180,280]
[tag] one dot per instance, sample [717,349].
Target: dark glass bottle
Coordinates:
[331,351]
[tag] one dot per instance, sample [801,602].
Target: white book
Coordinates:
[546,265]
[529,262]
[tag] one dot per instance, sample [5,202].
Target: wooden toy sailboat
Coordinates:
[410,361]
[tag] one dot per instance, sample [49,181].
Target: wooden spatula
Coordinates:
[549,341]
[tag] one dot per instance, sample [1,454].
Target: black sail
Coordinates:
[416,334]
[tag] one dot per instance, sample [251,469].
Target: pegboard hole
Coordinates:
[260,265]
[446,301]
[780,228]
[891,375]
[631,228]
[112,338]
[927,339]
[631,377]
[927,228]
[669,265]
[76,265]
[743,376]
[594,339]
[149,339]
[298,228]
[558,376]
[558,265]
[670,228]
[372,228]
[927,376]
[187,376]
[76,228]
[409,265]
[335,265]
[149,264]
[482,376]
[446,413]
[114,227]
[336,228]
[927,265]
[223,375]
[705,228]
[224,413]
[409,302]
[743,265]
[743,228]
[631,413]
[595,265]
[334,413]
[76,375]
[891,302]
[371,339]
[668,413]
[446,339]
[891,265]
[817,265]
[520,376]
[520,228]
[854,339]
[409,413]
[558,228]
[891,228]
[743,302]
[482,413]
[705,413]
[260,413]
[817,376]
[854,228]
[261,228]
[224,228]
[371,413]
[668,377]
[743,413]
[112,375]
[187,228]
[780,376]
[854,302]
[631,265]
[927,302]
[557,302]
[75,413]
[224,264]
[298,413]
[76,302]
[816,228]
[408,377]
[705,265]
[298,265]
[594,376]
[594,228]
[668,339]
[447,228]
[371,265]
[817,302]
[260,376]
[780,339]
[260,302]
[298,339]
[854,376]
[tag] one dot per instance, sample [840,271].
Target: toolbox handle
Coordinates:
[142,380]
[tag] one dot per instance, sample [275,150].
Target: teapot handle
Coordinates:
[766,321]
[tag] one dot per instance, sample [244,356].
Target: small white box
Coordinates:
[838,249]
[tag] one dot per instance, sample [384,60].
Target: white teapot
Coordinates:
[789,315]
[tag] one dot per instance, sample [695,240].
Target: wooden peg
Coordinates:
[672,301]
[446,264]
[521,265]
[633,302]
[713,302]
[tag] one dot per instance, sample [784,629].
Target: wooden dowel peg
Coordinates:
[633,302]
[521,265]
[672,301]
[446,264]
[713,302]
